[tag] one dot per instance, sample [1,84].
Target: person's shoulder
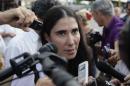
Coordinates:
[118,23]
[118,20]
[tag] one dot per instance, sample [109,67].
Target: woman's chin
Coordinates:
[69,57]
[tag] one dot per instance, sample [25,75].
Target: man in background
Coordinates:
[103,13]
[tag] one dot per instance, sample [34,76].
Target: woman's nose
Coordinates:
[70,40]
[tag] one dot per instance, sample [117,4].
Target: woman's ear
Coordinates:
[47,37]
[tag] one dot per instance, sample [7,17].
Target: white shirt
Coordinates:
[9,29]
[2,45]
[26,42]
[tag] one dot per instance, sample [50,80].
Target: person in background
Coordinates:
[117,11]
[103,13]
[8,31]
[127,11]
[28,42]
[38,6]
[84,16]
[123,66]
[24,18]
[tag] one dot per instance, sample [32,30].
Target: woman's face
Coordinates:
[65,35]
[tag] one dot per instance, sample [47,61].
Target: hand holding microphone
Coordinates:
[127,80]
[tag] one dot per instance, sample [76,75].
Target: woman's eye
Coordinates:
[61,33]
[75,31]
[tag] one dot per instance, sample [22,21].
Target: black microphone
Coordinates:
[54,66]
[106,68]
[61,78]
[17,67]
[48,47]
[57,72]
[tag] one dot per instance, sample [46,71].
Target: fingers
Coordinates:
[45,82]
[127,77]
[114,57]
[1,62]
[8,34]
[20,15]
[26,17]
[11,34]
[90,81]
[116,82]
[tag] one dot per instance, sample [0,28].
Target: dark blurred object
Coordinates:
[103,82]
[40,7]
[108,69]
[106,52]
[7,4]
[93,37]
[99,81]
[36,25]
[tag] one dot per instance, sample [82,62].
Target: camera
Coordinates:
[36,25]
[94,37]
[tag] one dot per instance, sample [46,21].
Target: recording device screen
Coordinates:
[36,25]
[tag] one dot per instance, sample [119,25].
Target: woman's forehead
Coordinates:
[67,22]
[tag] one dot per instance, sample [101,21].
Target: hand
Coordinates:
[114,57]
[116,82]
[45,82]
[7,34]
[1,62]
[91,79]
[127,80]
[127,77]
[21,17]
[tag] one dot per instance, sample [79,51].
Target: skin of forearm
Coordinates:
[6,16]
[1,18]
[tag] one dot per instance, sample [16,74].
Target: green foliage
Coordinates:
[78,1]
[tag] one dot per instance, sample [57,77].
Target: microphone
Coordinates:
[19,65]
[48,47]
[57,72]
[106,68]
[61,78]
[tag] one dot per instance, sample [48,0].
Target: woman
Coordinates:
[61,27]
